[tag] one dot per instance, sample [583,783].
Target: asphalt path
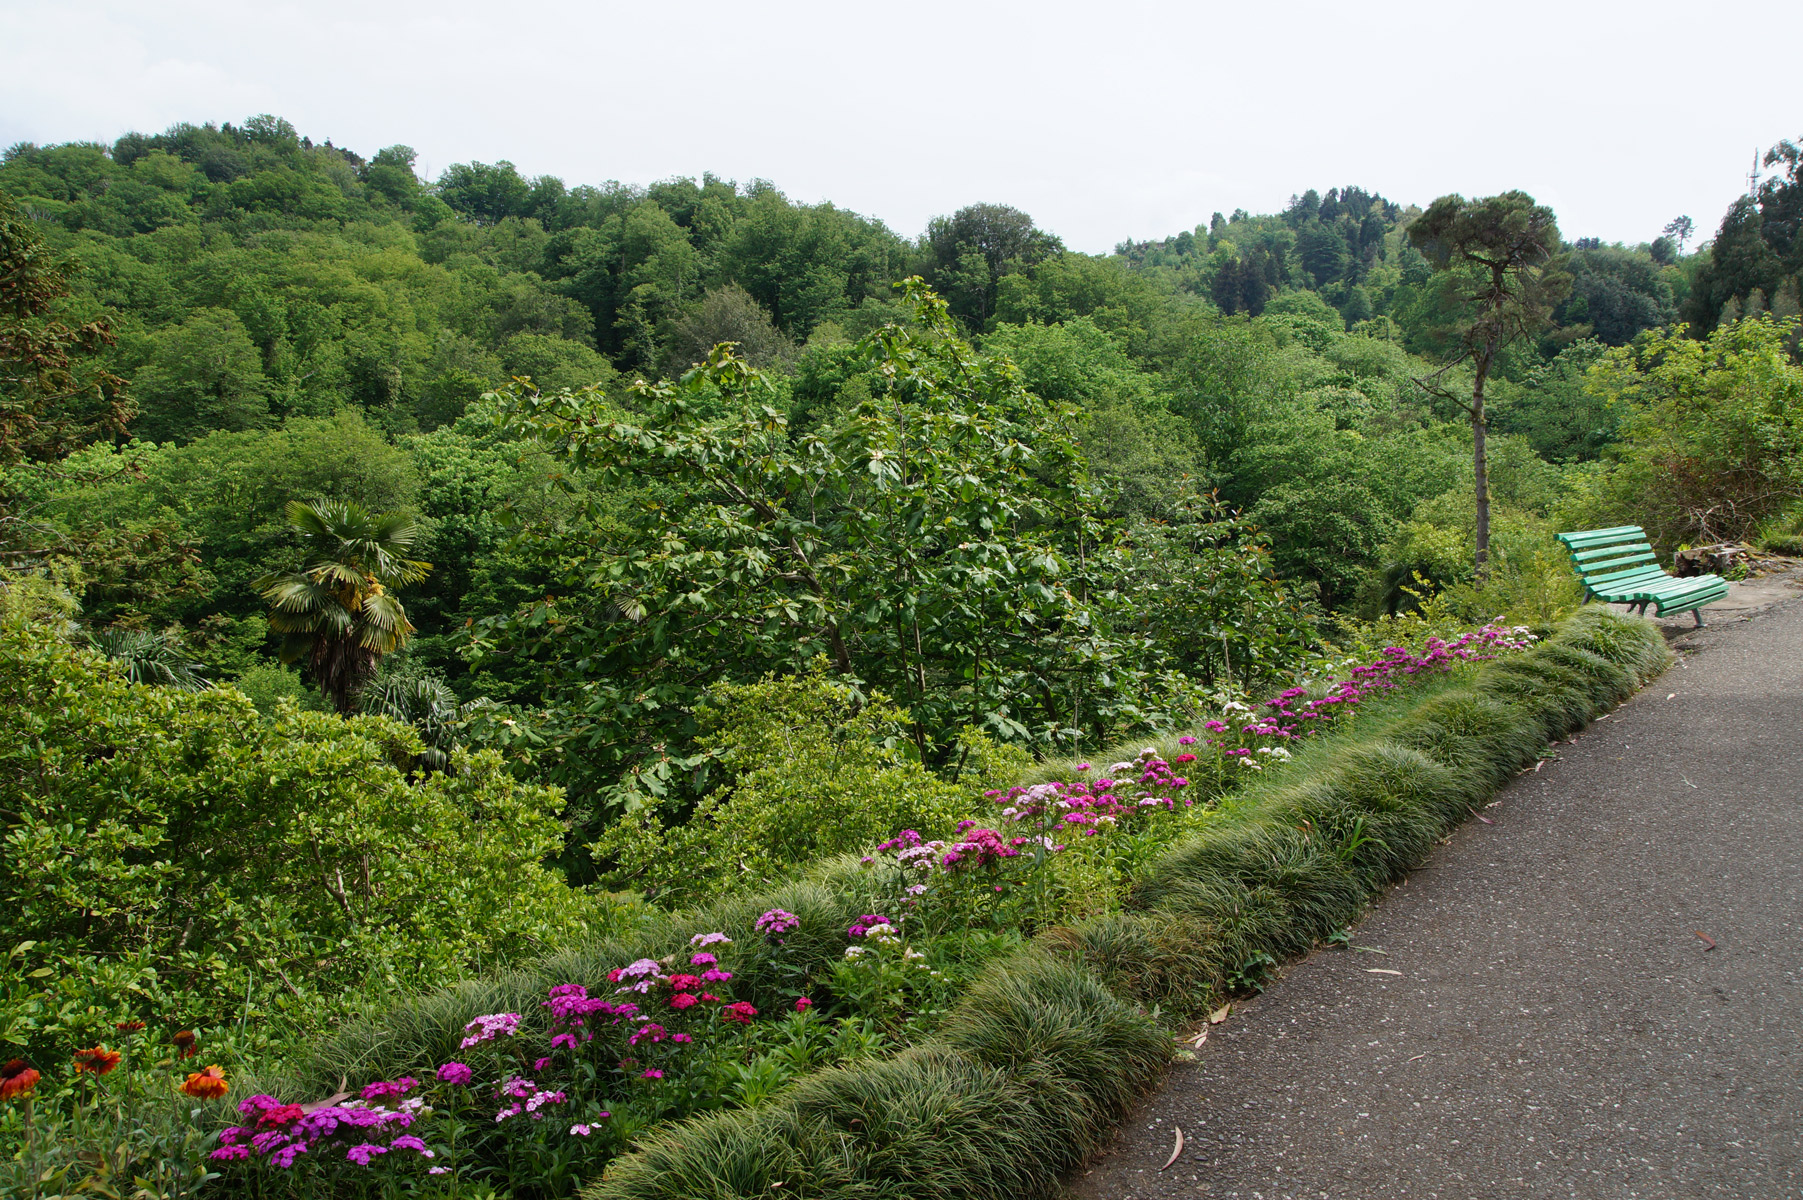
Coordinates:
[1539,1010]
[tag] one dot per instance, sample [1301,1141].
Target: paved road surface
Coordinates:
[1554,1027]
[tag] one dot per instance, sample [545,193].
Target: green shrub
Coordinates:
[174,857]
[814,769]
[1030,1076]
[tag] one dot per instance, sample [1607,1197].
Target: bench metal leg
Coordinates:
[1698,613]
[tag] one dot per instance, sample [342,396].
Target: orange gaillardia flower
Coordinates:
[206,1085]
[184,1041]
[17,1079]
[130,1026]
[97,1059]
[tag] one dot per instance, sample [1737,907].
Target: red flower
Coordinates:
[17,1079]
[682,1000]
[802,1004]
[130,1026]
[206,1085]
[98,1059]
[684,983]
[739,1013]
[184,1041]
[280,1115]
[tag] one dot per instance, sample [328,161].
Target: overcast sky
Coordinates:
[1104,121]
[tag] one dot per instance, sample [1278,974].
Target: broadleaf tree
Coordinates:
[938,543]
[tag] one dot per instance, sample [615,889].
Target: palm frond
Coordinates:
[152,658]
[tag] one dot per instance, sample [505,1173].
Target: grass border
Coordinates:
[1028,1076]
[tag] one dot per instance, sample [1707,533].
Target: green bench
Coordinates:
[1618,567]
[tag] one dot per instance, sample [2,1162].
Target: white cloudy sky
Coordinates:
[1105,121]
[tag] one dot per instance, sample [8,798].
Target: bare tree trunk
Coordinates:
[1481,468]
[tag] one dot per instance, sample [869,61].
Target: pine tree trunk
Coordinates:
[1481,469]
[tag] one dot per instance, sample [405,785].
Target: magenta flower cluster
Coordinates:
[488,1028]
[777,922]
[278,1133]
[866,923]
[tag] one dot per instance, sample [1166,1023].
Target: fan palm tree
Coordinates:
[427,705]
[149,657]
[337,611]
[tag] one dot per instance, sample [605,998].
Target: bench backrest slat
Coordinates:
[1591,539]
[1633,550]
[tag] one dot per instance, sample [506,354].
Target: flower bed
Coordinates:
[545,1077]
[1023,1080]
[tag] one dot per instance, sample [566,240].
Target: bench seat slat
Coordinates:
[1620,579]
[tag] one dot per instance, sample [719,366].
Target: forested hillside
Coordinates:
[669,538]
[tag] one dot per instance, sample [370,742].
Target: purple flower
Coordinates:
[361,1154]
[541,1064]
[385,1088]
[776,921]
[653,1073]
[486,1028]
[258,1104]
[409,1142]
[579,1131]
[455,1074]
[702,959]
[230,1153]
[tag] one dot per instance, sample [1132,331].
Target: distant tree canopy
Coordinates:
[1755,263]
[971,251]
[54,395]
[1040,453]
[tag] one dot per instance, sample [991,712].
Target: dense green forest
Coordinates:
[297,321]
[551,491]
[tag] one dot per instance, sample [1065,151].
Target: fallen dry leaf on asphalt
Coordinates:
[1219,1014]
[1381,971]
[1709,942]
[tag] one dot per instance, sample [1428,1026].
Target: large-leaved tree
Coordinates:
[938,542]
